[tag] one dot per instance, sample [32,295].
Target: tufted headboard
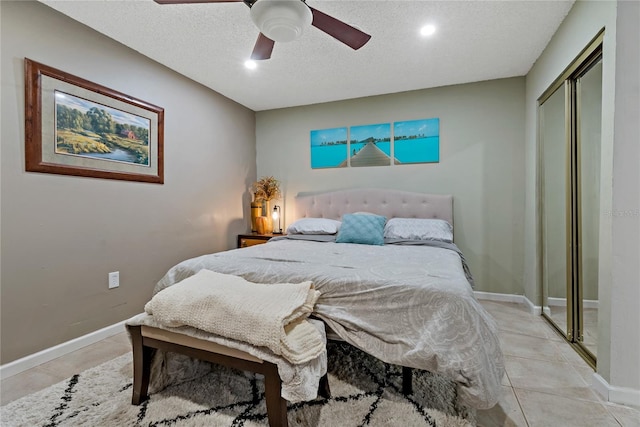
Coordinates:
[390,203]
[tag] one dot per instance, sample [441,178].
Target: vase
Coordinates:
[256,211]
[261,224]
[266,212]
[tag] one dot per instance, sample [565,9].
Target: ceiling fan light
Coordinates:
[281,20]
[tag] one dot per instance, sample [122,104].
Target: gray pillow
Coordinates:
[419,229]
[314,226]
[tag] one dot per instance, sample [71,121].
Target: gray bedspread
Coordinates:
[410,305]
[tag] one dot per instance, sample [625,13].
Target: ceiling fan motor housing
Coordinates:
[281,20]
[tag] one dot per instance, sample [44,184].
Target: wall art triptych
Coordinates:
[412,141]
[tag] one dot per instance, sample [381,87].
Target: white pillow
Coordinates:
[314,226]
[418,229]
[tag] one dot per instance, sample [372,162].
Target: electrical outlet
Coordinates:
[114,279]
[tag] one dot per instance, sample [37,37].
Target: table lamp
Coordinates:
[276,216]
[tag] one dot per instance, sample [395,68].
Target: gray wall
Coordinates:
[619,240]
[582,23]
[61,235]
[481,163]
[624,369]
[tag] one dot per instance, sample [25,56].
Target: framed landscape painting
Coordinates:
[416,141]
[370,145]
[329,148]
[76,127]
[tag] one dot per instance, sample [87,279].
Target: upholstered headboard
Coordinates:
[390,203]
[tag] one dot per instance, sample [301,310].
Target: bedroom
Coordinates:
[60,238]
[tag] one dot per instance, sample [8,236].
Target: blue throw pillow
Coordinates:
[362,229]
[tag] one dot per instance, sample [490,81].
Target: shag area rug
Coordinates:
[365,392]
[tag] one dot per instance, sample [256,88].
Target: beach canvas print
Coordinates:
[329,148]
[88,129]
[370,145]
[416,141]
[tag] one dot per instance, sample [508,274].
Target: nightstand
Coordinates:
[246,240]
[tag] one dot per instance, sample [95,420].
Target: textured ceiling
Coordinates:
[209,43]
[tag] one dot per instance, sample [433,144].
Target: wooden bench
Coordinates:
[146,339]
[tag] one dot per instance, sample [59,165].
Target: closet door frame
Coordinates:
[589,56]
[575,82]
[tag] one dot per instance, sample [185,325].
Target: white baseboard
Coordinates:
[518,299]
[600,385]
[536,310]
[590,303]
[562,302]
[556,302]
[620,395]
[46,355]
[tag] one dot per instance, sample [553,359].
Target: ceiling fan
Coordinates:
[284,21]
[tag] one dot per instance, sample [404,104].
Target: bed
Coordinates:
[406,302]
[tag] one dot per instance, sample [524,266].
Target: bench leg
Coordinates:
[407,381]
[141,366]
[276,405]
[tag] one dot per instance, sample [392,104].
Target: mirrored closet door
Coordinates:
[555,169]
[569,136]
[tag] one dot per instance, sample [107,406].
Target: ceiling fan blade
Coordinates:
[194,1]
[263,48]
[339,30]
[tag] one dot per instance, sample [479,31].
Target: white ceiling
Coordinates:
[475,40]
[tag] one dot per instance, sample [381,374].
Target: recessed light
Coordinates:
[250,64]
[428,30]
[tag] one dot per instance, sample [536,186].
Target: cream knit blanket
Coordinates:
[272,316]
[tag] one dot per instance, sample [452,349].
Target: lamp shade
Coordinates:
[281,20]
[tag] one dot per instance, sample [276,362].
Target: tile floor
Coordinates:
[590,325]
[547,383]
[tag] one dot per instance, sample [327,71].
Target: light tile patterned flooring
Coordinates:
[547,384]
[590,325]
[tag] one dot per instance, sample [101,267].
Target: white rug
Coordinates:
[364,391]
